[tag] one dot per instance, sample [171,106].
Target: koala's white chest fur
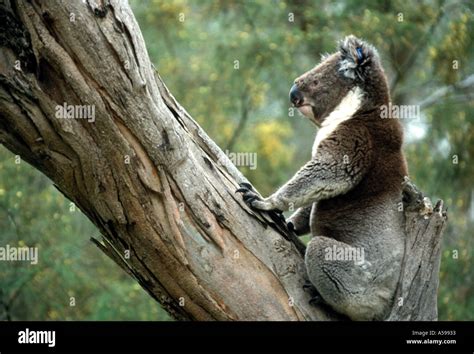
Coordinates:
[345,110]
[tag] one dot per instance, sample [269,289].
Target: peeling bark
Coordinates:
[144,172]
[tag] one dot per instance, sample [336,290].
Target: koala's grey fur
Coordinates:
[349,193]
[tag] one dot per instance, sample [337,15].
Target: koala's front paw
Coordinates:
[252,199]
[248,194]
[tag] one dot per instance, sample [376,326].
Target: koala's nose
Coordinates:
[296,97]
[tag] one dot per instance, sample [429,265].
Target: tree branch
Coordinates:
[143,172]
[244,116]
[463,89]
[416,296]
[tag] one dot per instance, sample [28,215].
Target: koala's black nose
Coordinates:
[296,97]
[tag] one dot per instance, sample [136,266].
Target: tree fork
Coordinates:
[144,172]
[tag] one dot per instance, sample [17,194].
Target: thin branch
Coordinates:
[11,217]
[244,116]
[464,87]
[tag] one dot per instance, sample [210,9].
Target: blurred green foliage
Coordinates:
[231,64]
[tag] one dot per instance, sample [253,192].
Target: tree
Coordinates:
[160,191]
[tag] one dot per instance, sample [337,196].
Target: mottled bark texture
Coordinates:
[151,180]
[416,297]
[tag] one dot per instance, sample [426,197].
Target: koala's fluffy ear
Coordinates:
[356,57]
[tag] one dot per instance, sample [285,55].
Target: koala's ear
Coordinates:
[356,57]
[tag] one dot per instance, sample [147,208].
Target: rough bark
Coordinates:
[416,297]
[144,172]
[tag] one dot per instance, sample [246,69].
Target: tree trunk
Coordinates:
[416,296]
[143,171]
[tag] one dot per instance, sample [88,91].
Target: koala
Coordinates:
[349,194]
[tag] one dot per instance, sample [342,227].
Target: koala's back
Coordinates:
[369,215]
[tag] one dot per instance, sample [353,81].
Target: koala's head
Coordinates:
[356,64]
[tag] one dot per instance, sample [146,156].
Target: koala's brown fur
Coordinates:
[349,193]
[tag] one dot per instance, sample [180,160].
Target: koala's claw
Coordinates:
[246,185]
[241,190]
[249,196]
[245,188]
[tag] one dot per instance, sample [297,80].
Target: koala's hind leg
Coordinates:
[344,278]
